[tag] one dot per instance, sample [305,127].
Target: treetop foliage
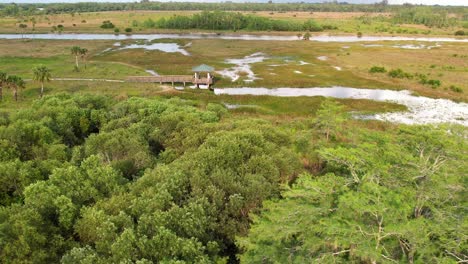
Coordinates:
[386,198]
[137,180]
[87,179]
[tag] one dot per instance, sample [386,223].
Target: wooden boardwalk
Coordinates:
[171,79]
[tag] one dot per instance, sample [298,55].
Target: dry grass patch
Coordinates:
[448,63]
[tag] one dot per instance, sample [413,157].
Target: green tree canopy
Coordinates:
[373,206]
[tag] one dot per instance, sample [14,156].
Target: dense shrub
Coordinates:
[148,23]
[377,69]
[456,89]
[107,24]
[424,80]
[312,25]
[329,27]
[399,73]
[434,83]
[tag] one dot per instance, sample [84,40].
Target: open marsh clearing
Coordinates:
[421,110]
[264,65]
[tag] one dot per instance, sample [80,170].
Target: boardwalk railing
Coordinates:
[170,79]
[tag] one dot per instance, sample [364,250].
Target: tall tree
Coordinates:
[76,51]
[23,28]
[3,81]
[15,82]
[42,74]
[329,118]
[33,22]
[83,53]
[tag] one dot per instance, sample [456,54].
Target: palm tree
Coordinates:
[75,50]
[3,81]
[83,53]
[15,82]
[33,21]
[42,74]
[23,28]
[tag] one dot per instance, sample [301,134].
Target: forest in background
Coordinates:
[219,20]
[88,179]
[54,8]
[430,16]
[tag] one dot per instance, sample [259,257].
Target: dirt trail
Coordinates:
[164,88]
[86,79]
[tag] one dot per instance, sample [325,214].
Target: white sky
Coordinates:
[424,2]
[431,2]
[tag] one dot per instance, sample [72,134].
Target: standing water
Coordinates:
[320,38]
[164,47]
[421,110]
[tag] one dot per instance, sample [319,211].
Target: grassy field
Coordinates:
[347,23]
[284,66]
[285,58]
[56,55]
[447,63]
[287,64]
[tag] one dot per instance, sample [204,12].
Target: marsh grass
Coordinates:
[284,106]
[450,70]
[121,63]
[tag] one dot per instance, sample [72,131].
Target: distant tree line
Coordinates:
[219,20]
[54,8]
[429,16]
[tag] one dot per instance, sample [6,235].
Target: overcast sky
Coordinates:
[431,2]
[424,2]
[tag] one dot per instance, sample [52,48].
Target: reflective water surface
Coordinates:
[319,38]
[421,110]
[165,47]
